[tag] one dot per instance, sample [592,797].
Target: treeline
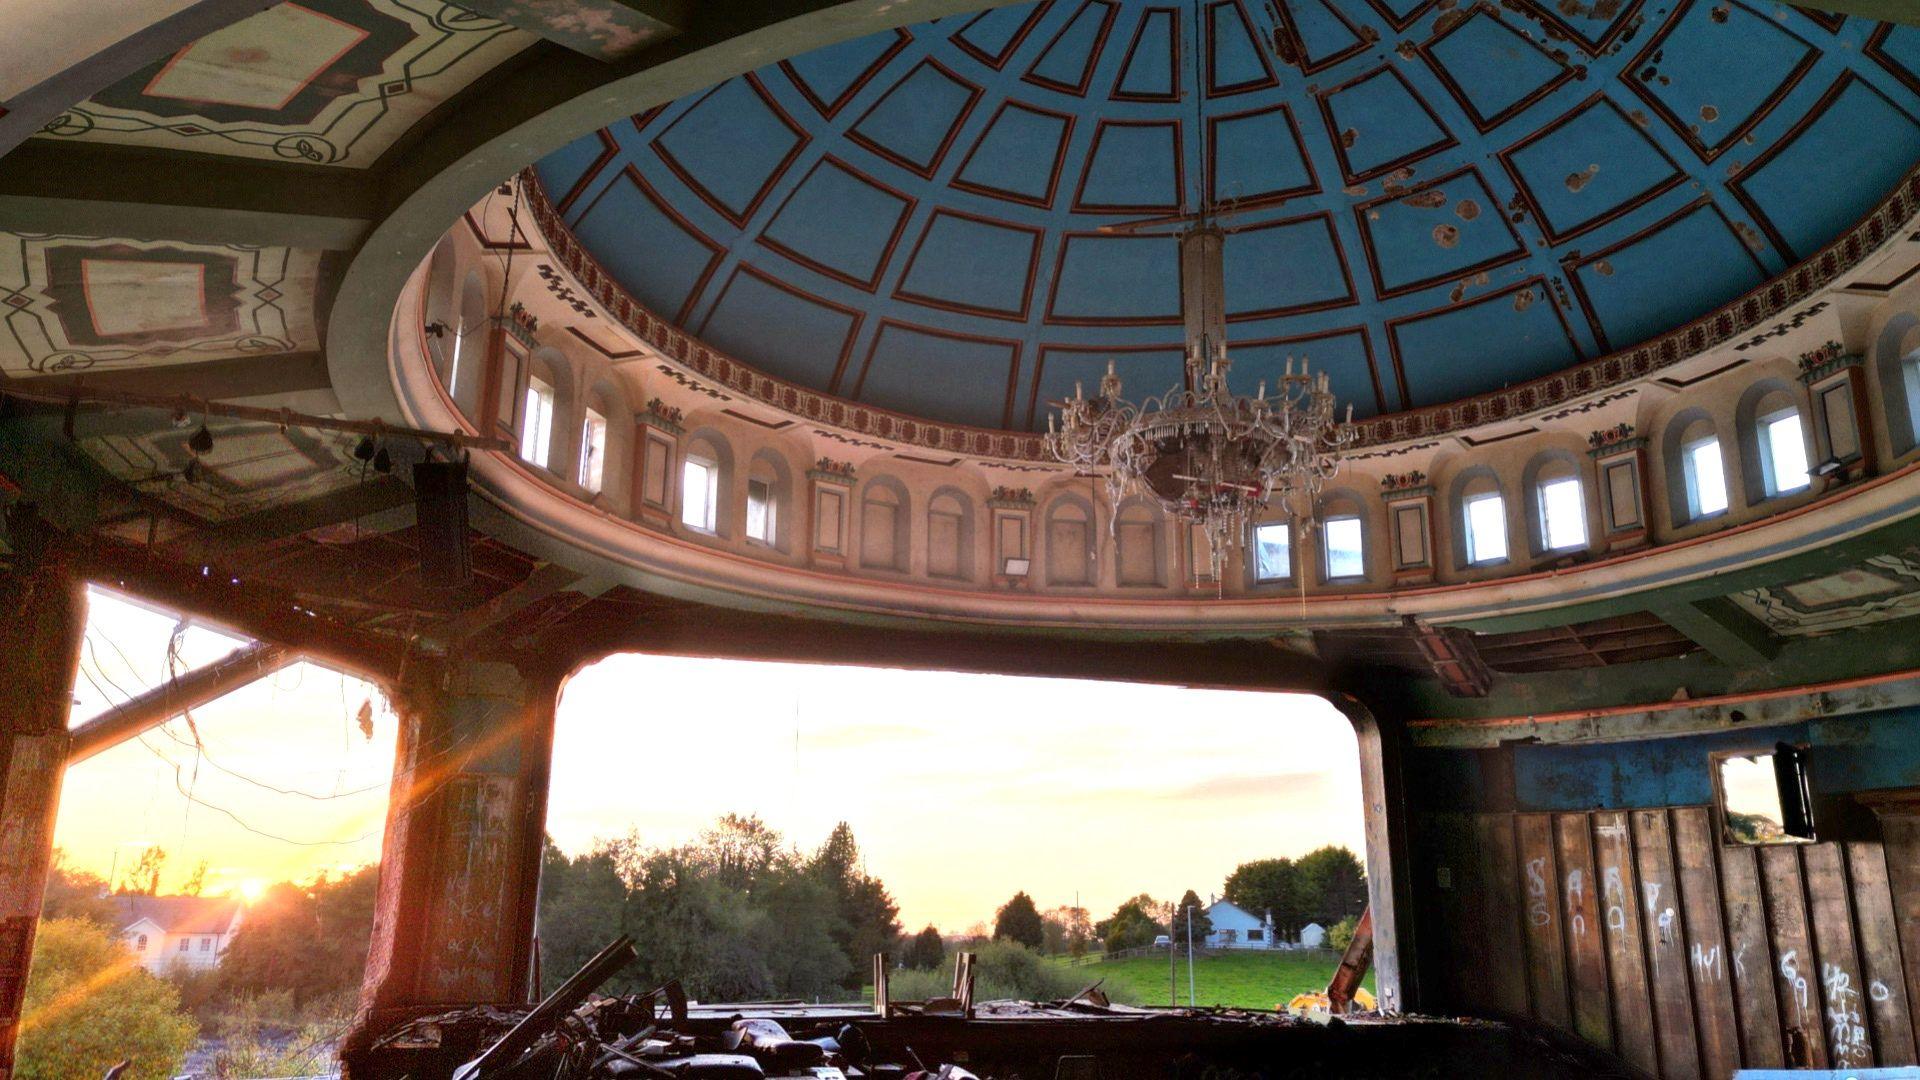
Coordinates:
[737,914]
[1326,886]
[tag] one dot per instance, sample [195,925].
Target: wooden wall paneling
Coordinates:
[1665,936]
[1796,971]
[1843,993]
[1543,924]
[1750,957]
[1884,982]
[1626,951]
[1504,963]
[1453,915]
[1708,955]
[1900,836]
[1586,946]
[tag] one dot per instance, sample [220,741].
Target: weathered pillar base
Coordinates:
[460,865]
[43,620]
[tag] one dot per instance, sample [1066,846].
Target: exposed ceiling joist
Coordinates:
[92,189]
[1727,633]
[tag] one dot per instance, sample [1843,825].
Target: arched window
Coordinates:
[884,508]
[1696,473]
[1773,441]
[593,447]
[1481,516]
[1343,539]
[769,494]
[140,943]
[536,421]
[706,472]
[1557,513]
[467,348]
[1897,356]
[1070,542]
[1272,551]
[950,534]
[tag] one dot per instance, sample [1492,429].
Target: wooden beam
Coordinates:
[1727,633]
[1453,657]
[191,690]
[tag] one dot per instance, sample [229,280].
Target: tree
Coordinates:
[1133,924]
[582,907]
[144,878]
[925,951]
[76,894]
[89,1005]
[1019,920]
[196,882]
[869,919]
[1264,887]
[1340,935]
[1329,884]
[310,940]
[1201,924]
[1069,930]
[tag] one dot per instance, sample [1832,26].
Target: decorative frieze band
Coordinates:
[833,472]
[1826,360]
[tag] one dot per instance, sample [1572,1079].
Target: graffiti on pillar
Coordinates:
[472,893]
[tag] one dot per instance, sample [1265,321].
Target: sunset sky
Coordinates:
[960,788]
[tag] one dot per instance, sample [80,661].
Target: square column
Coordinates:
[830,494]
[656,446]
[460,864]
[1620,458]
[43,621]
[1409,499]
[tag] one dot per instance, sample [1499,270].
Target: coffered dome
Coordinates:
[1432,201]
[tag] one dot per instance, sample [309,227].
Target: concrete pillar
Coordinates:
[43,621]
[460,866]
[1390,893]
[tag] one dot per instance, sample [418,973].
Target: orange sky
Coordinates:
[960,788]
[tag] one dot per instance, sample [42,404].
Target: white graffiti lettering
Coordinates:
[1576,896]
[1790,971]
[1844,1027]
[1538,911]
[1878,991]
[1616,895]
[1706,962]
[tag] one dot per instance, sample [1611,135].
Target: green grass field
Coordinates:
[1248,980]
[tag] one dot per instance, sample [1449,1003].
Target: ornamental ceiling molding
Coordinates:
[1740,316]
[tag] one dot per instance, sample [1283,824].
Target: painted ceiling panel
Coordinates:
[1636,291]
[1447,193]
[326,82]
[755,314]
[1588,167]
[839,222]
[1796,185]
[1343,356]
[1445,353]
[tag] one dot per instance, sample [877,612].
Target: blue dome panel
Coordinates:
[1432,200]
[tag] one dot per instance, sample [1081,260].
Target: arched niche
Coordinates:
[1139,541]
[770,500]
[545,405]
[1896,358]
[1761,405]
[1689,489]
[1547,514]
[467,356]
[706,483]
[441,309]
[1070,541]
[950,533]
[885,524]
[605,405]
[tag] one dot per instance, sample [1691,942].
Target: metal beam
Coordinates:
[191,690]
[97,189]
[1727,633]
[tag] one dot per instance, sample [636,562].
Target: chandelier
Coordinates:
[1206,457]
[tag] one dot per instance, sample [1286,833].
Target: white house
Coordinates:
[167,932]
[1313,936]
[1234,927]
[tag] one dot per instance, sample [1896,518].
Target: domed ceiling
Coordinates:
[1430,200]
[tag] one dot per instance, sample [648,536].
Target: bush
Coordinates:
[1341,935]
[89,1005]
[1001,970]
